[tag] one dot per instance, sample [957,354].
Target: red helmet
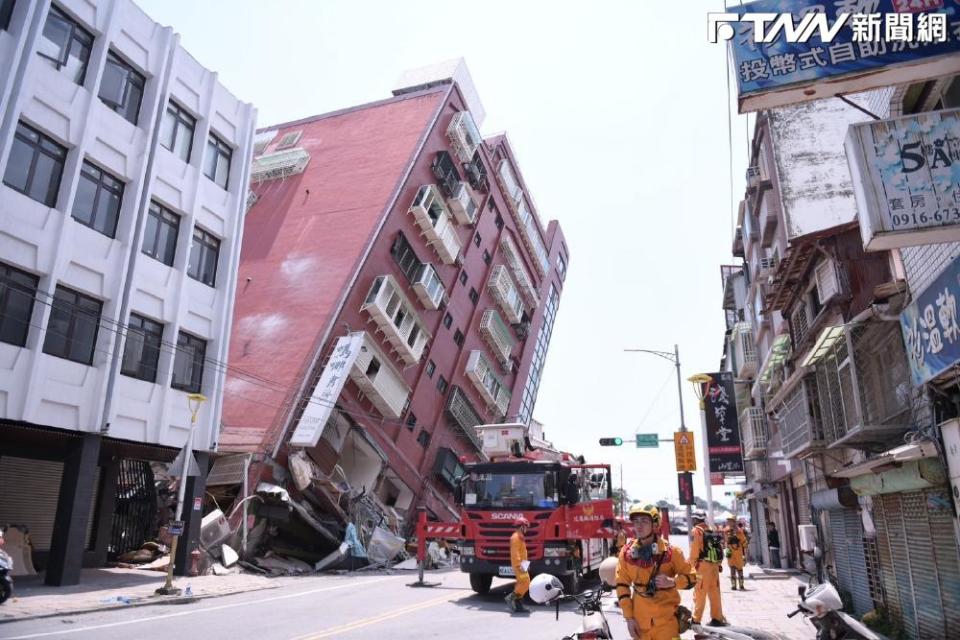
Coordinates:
[521,522]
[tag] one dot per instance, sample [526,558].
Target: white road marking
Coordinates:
[63,632]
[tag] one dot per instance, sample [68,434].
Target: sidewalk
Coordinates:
[102,589]
[769,597]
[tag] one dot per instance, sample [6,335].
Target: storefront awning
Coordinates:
[905,453]
[778,353]
[825,343]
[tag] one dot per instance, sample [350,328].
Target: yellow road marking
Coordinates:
[365,622]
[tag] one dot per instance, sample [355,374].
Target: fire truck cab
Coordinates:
[568,503]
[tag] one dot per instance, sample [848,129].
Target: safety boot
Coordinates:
[518,606]
[741,585]
[511,600]
[733,585]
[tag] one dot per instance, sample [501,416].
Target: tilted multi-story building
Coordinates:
[124,166]
[396,289]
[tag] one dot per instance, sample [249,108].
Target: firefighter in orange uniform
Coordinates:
[654,570]
[520,564]
[706,552]
[736,541]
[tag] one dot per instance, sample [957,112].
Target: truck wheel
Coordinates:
[571,583]
[480,582]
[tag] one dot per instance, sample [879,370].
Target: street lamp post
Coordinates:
[194,400]
[675,359]
[698,381]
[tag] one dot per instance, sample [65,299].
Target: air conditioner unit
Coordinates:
[463,204]
[767,266]
[464,136]
[753,176]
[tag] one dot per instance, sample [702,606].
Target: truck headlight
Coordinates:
[467,552]
[555,552]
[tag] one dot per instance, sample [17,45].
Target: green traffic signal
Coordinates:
[611,442]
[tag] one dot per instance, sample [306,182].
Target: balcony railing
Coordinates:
[753,428]
[280,164]
[510,185]
[462,413]
[464,204]
[745,351]
[480,372]
[802,432]
[863,384]
[525,219]
[428,287]
[433,218]
[396,318]
[519,271]
[505,292]
[379,381]
[464,136]
[497,334]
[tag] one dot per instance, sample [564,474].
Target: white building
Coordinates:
[124,168]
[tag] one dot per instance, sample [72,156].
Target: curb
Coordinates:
[144,602]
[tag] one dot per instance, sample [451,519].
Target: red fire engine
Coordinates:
[568,503]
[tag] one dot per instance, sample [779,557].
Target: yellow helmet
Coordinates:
[645,510]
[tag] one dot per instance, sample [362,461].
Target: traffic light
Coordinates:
[611,442]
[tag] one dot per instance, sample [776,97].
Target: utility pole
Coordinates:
[675,359]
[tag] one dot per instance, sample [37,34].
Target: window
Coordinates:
[463,277]
[289,139]
[188,363]
[97,203]
[458,337]
[72,329]
[499,220]
[431,367]
[65,44]
[160,237]
[442,384]
[176,131]
[423,439]
[216,164]
[404,256]
[474,296]
[141,351]
[447,321]
[203,257]
[411,421]
[476,239]
[561,266]
[487,257]
[121,88]
[35,165]
[18,289]
[6,11]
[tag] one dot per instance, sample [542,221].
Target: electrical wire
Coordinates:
[218,366]
[656,398]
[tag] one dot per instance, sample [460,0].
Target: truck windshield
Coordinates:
[520,490]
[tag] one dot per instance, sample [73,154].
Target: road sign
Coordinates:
[683,449]
[685,488]
[176,527]
[651,440]
[611,442]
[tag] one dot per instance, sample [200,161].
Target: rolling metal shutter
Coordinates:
[919,561]
[30,489]
[846,532]
[803,504]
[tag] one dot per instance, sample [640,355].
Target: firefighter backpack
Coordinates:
[712,547]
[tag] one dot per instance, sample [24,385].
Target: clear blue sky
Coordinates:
[618,114]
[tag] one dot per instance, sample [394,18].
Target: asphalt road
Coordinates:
[350,607]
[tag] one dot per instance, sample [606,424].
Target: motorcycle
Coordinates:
[821,604]
[546,589]
[6,568]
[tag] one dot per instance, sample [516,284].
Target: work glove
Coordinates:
[633,628]
[525,565]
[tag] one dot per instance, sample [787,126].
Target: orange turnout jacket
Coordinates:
[634,574]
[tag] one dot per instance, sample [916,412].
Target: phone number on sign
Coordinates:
[914,219]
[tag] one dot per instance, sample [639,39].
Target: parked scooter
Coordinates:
[546,589]
[6,568]
[821,604]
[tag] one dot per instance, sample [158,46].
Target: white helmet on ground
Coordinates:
[545,588]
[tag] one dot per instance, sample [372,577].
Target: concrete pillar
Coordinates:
[73,512]
[106,505]
[192,515]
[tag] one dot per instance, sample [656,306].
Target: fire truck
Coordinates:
[568,503]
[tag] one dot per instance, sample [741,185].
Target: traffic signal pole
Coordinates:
[683,426]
